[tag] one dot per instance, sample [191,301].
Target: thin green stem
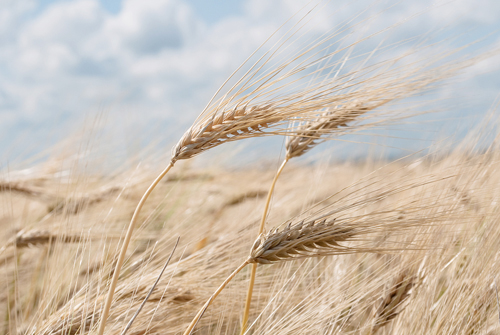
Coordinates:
[121,257]
[254,265]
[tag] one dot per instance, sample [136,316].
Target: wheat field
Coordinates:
[366,246]
[431,269]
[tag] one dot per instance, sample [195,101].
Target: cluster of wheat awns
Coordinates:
[270,102]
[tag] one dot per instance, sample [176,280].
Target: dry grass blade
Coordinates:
[129,324]
[498,302]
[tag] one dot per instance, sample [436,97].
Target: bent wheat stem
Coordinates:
[198,316]
[124,247]
[254,265]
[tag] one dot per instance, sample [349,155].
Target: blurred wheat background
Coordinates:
[384,220]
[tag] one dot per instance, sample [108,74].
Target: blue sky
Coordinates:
[209,11]
[148,67]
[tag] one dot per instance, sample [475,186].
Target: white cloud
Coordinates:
[157,59]
[12,15]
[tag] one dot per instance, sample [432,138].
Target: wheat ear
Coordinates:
[35,194]
[397,294]
[238,123]
[310,133]
[305,239]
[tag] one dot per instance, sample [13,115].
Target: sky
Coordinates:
[146,68]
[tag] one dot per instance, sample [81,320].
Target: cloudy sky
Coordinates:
[148,67]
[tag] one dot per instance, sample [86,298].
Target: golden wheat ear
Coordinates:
[237,124]
[392,303]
